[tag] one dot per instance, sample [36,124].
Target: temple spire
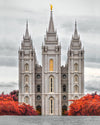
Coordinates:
[51,24]
[75,42]
[26,32]
[75,31]
[75,26]
[51,34]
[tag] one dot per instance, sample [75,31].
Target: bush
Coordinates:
[88,105]
[15,94]
[9,106]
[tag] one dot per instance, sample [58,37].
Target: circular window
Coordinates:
[38,76]
[38,97]
[64,97]
[64,76]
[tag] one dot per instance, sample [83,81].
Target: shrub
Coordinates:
[10,106]
[88,105]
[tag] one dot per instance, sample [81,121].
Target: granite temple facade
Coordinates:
[49,87]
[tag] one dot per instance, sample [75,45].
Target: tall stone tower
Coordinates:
[27,61]
[75,68]
[51,72]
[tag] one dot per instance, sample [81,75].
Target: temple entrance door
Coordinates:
[38,108]
[64,108]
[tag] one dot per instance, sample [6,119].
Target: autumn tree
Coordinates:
[9,105]
[88,105]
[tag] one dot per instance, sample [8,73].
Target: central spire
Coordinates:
[51,34]
[51,24]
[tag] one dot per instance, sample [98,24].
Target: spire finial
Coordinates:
[27,24]
[75,26]
[51,6]
[75,31]
[51,24]
[27,33]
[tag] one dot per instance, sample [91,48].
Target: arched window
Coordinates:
[64,88]
[26,89]
[51,84]
[76,89]
[75,67]
[76,97]
[51,65]
[51,106]
[64,108]
[26,67]
[26,100]
[26,79]
[76,79]
[38,88]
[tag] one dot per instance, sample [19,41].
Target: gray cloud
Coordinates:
[14,13]
[9,84]
[8,61]
[85,24]
[92,86]
[9,45]
[7,49]
[92,62]
[8,87]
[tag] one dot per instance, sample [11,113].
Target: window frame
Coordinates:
[64,87]
[51,65]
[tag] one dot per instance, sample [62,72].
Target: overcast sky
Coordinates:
[13,16]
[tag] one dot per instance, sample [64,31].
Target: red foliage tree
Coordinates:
[9,106]
[15,94]
[27,110]
[88,105]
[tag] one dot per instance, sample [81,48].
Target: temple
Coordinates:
[48,88]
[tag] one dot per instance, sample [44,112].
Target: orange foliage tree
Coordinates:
[86,106]
[9,106]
